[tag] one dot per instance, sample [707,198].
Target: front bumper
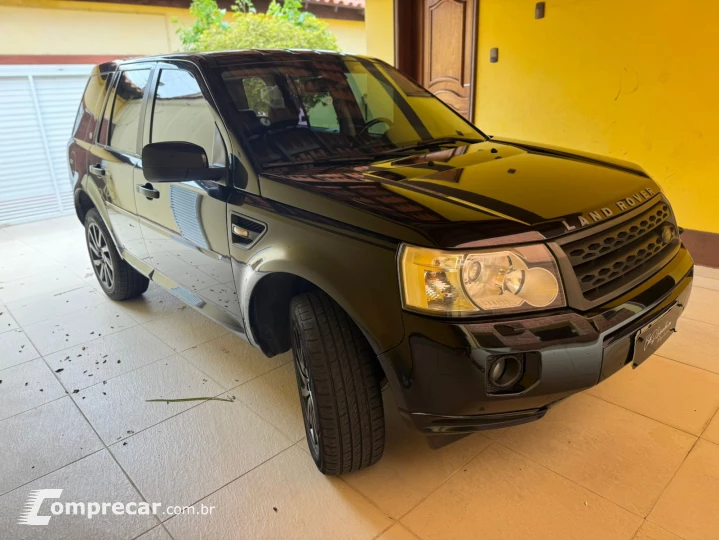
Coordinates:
[439,372]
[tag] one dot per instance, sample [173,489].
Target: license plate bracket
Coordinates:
[648,339]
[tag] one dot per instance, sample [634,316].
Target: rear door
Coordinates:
[184,224]
[115,155]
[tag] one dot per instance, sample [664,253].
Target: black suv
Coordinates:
[324,203]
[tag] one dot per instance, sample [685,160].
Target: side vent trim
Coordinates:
[245,231]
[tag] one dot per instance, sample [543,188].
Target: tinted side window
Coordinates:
[180,113]
[105,120]
[127,104]
[91,106]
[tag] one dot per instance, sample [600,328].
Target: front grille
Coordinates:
[605,261]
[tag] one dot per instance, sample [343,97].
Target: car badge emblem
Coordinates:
[667,234]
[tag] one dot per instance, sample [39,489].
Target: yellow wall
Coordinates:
[351,35]
[632,79]
[95,28]
[87,28]
[379,19]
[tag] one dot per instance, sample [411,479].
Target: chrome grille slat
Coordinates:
[605,261]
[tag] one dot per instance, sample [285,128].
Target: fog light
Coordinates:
[504,372]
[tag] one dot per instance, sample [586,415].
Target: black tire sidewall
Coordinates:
[94,217]
[294,324]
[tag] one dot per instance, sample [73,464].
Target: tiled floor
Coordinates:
[636,457]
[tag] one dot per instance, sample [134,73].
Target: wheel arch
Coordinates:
[268,308]
[268,313]
[83,204]
[88,198]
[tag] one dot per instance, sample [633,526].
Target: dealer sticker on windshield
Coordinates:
[653,336]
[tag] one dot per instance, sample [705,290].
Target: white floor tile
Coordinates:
[44,439]
[231,361]
[184,329]
[26,386]
[285,497]
[15,348]
[80,265]
[171,378]
[7,321]
[11,247]
[188,456]
[274,397]
[158,533]
[587,440]
[96,478]
[26,265]
[397,532]
[153,304]
[503,495]
[705,271]
[106,357]
[706,283]
[30,311]
[61,245]
[695,343]
[77,327]
[40,284]
[37,229]
[409,465]
[703,306]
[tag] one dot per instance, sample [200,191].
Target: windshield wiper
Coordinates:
[399,151]
[429,144]
[321,161]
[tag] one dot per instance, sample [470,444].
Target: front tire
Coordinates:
[339,385]
[118,279]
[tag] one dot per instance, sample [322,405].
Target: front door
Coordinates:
[184,224]
[448,44]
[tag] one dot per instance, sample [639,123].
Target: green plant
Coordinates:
[284,26]
[207,15]
[290,10]
[244,6]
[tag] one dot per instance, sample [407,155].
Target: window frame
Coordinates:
[151,94]
[103,108]
[117,75]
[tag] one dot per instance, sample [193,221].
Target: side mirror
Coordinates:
[177,162]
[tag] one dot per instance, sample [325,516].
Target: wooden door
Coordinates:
[448,44]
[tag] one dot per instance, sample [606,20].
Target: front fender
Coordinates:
[360,276]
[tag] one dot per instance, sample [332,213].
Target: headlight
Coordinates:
[459,284]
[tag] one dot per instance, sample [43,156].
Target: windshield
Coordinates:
[335,108]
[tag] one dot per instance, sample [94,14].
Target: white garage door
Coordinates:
[38,105]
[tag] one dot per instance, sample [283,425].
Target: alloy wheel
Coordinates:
[309,409]
[100,256]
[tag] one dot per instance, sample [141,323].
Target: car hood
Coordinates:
[464,196]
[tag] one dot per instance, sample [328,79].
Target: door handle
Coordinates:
[148,191]
[97,170]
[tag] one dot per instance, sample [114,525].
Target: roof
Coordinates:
[359,4]
[225,58]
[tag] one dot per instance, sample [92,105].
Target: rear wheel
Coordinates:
[338,384]
[118,279]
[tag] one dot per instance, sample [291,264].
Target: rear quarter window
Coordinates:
[124,120]
[90,109]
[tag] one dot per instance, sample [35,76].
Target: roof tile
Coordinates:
[346,3]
